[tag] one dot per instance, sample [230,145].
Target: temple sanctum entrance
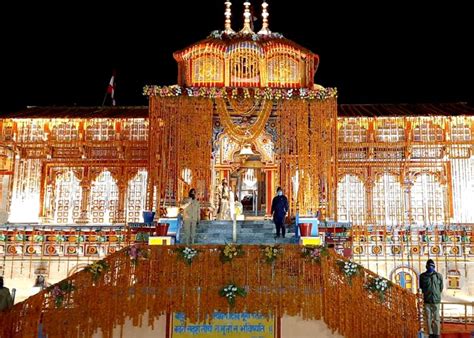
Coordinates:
[250,170]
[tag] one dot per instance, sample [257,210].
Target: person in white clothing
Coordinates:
[226,199]
[191,217]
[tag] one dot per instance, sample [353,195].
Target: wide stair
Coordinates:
[248,232]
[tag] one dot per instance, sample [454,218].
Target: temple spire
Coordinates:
[228,14]
[247,28]
[265,30]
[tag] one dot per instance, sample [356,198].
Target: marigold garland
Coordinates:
[294,287]
[256,93]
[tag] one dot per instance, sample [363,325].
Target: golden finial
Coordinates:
[265,30]
[247,29]
[228,14]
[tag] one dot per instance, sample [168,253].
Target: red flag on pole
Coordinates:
[111,88]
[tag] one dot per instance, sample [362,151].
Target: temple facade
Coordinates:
[246,108]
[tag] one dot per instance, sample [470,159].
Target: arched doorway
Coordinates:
[406,278]
[250,170]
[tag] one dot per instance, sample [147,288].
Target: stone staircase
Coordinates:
[248,232]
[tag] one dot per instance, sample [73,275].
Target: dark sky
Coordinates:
[373,53]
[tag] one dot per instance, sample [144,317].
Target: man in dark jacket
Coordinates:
[431,284]
[279,210]
[6,300]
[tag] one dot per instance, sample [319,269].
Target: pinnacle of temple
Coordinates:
[245,58]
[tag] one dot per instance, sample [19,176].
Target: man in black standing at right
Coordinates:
[279,210]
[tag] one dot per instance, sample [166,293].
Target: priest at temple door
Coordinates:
[279,210]
[226,198]
[191,217]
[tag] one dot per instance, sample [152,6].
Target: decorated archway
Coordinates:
[246,84]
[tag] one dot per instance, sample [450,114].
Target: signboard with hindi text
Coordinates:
[228,325]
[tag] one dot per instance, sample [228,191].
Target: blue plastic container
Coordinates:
[148,216]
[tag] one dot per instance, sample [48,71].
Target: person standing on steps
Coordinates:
[191,217]
[279,210]
[431,284]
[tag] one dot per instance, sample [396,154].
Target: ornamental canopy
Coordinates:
[246,59]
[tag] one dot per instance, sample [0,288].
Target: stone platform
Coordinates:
[248,232]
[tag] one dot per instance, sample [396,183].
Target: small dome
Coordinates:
[246,60]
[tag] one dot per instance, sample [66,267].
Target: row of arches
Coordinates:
[390,203]
[103,201]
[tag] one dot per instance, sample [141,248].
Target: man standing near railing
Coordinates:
[431,284]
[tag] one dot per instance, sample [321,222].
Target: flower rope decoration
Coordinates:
[314,253]
[271,253]
[378,286]
[60,290]
[231,291]
[137,254]
[97,268]
[349,269]
[187,254]
[230,251]
[233,93]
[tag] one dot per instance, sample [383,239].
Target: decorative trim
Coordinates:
[230,92]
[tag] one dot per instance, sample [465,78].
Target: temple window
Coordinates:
[65,131]
[100,130]
[135,130]
[454,277]
[388,200]
[427,132]
[351,206]
[136,196]
[461,132]
[427,201]
[389,131]
[352,131]
[68,192]
[104,199]
[30,131]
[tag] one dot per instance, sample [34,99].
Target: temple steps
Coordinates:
[248,232]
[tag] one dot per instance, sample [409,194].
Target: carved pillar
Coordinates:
[86,194]
[369,193]
[407,185]
[270,185]
[120,216]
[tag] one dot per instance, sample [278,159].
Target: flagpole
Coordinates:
[105,98]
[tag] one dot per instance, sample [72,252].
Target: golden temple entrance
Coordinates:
[250,170]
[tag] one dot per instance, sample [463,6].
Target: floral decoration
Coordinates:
[136,253]
[378,286]
[271,253]
[187,254]
[97,268]
[313,253]
[231,291]
[257,93]
[231,251]
[349,269]
[60,290]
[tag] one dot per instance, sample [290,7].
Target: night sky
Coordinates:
[382,53]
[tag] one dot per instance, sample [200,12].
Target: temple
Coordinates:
[397,179]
